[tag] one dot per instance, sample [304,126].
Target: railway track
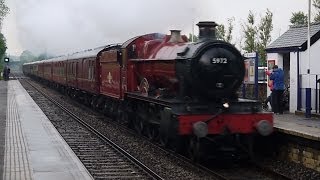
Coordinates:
[103,158]
[253,171]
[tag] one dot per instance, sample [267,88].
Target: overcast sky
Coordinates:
[65,26]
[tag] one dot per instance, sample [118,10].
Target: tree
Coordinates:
[257,37]
[250,34]
[316,5]
[221,32]
[4,10]
[299,18]
[224,35]
[3,49]
[3,46]
[27,56]
[264,33]
[228,37]
[42,56]
[195,38]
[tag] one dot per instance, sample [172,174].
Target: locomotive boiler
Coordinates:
[208,69]
[182,94]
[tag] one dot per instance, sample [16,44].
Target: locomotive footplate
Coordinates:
[154,99]
[182,107]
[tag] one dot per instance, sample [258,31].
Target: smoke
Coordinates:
[66,26]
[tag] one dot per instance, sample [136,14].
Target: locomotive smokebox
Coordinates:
[207,30]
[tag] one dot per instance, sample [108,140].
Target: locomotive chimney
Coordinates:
[175,36]
[207,30]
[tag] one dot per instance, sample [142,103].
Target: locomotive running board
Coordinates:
[151,99]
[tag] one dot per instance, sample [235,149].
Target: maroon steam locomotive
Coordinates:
[182,93]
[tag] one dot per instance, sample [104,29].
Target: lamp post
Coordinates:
[308,89]
[193,17]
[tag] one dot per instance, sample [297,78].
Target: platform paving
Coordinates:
[3,110]
[297,125]
[33,147]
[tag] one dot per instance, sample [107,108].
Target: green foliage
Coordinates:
[228,37]
[4,10]
[316,5]
[223,34]
[195,38]
[42,56]
[27,56]
[3,46]
[299,18]
[250,34]
[264,33]
[2,51]
[257,37]
[317,18]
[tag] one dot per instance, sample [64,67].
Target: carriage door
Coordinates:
[110,74]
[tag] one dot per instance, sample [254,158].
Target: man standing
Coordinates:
[5,72]
[278,87]
[270,84]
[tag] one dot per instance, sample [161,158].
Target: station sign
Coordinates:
[250,66]
[250,55]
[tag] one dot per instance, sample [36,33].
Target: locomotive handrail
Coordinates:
[221,110]
[141,60]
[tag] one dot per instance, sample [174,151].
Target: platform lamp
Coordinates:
[308,89]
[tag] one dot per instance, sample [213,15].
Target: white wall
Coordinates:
[314,70]
[277,57]
[314,65]
[293,81]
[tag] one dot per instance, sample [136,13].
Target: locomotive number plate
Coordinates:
[219,60]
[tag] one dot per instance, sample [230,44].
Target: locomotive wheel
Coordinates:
[139,126]
[92,103]
[164,140]
[122,117]
[179,144]
[195,149]
[152,132]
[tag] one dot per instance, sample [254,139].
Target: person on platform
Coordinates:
[277,76]
[270,85]
[5,73]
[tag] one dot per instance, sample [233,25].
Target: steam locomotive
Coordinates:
[182,94]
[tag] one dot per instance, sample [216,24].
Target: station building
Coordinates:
[290,53]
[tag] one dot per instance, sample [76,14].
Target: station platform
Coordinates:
[30,146]
[298,125]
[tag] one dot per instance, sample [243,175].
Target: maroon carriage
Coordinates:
[59,71]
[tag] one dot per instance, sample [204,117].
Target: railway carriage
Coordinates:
[59,69]
[47,70]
